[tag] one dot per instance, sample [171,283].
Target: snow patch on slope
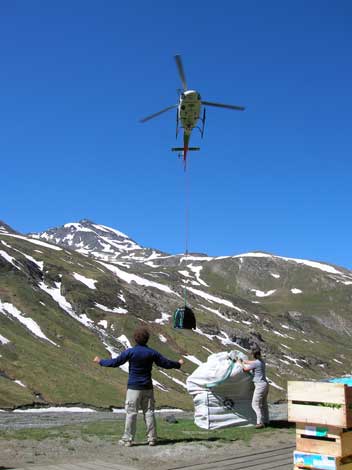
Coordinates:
[40,264]
[313,264]
[21,384]
[173,379]
[213,298]
[120,310]
[55,294]
[8,258]
[219,314]
[163,320]
[197,270]
[4,340]
[85,280]
[103,323]
[34,241]
[193,359]
[9,309]
[260,293]
[127,277]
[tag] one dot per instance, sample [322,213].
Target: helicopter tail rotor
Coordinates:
[181,71]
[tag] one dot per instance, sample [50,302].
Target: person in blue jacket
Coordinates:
[140,392]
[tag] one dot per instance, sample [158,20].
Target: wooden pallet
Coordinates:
[327,440]
[305,460]
[320,403]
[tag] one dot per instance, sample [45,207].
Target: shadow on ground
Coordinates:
[185,440]
[281,425]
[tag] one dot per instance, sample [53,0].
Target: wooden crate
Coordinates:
[305,460]
[327,440]
[320,403]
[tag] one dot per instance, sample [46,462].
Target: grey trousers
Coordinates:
[260,402]
[136,399]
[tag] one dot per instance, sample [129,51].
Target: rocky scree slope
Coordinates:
[81,289]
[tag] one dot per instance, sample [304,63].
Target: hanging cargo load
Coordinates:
[184,318]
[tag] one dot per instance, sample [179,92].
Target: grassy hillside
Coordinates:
[59,308]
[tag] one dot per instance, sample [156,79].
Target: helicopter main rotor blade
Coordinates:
[181,71]
[220,105]
[151,116]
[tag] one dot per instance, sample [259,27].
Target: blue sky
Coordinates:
[77,75]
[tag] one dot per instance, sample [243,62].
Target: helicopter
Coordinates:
[188,112]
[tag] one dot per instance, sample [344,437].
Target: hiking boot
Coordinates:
[260,426]
[126,443]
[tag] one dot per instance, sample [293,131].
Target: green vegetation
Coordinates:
[183,431]
[304,336]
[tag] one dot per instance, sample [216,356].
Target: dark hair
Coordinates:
[256,353]
[141,336]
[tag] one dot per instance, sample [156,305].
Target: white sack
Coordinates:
[222,392]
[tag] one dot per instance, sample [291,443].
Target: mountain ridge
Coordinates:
[298,311]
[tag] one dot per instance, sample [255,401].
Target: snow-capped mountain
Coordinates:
[99,241]
[4,228]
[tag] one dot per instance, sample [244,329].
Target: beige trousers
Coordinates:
[260,402]
[135,400]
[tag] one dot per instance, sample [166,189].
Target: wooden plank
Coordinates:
[63,466]
[283,462]
[316,392]
[280,459]
[325,430]
[91,466]
[80,466]
[102,465]
[270,459]
[302,413]
[320,446]
[323,440]
[348,398]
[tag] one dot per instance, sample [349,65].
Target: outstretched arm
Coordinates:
[116,362]
[165,363]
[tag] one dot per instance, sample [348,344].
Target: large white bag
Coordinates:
[222,392]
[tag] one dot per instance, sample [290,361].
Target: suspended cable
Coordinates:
[187,197]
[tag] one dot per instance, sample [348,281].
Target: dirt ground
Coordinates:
[19,453]
[54,451]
